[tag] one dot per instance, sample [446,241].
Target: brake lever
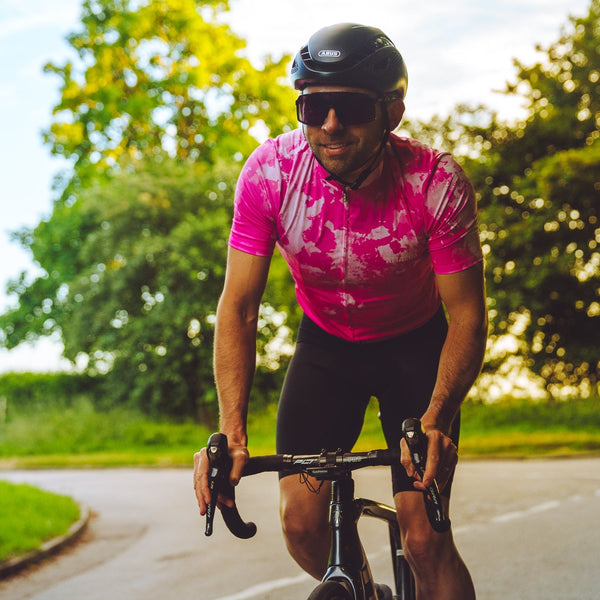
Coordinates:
[416,440]
[219,467]
[218,483]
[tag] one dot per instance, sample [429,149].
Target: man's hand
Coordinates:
[442,457]
[239,456]
[201,469]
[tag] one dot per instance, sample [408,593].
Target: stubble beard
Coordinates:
[348,165]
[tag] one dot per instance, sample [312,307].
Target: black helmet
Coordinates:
[351,55]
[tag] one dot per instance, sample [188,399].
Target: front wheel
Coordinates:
[330,590]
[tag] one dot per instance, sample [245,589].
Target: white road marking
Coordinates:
[267,586]
[519,514]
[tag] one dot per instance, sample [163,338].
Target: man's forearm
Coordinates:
[234,365]
[460,363]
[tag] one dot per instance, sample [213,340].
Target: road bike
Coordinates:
[348,575]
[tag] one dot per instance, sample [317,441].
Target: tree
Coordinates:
[162,75]
[151,253]
[156,116]
[539,210]
[538,192]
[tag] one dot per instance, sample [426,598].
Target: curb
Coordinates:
[14,565]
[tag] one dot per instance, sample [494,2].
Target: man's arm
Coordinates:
[463,295]
[235,340]
[234,359]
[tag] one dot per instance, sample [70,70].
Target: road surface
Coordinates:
[527,530]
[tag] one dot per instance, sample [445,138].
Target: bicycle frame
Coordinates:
[403,577]
[347,559]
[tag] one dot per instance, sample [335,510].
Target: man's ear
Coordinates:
[395,113]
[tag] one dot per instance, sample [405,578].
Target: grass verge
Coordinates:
[30,517]
[82,436]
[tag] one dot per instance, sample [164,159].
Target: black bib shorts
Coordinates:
[330,381]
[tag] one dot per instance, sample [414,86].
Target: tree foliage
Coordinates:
[540,193]
[156,115]
[162,75]
[149,253]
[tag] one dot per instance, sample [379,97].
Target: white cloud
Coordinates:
[8,95]
[19,17]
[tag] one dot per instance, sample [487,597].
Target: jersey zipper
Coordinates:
[346,198]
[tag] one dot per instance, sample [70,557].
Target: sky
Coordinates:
[460,51]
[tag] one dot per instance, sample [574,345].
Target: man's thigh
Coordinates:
[322,403]
[307,503]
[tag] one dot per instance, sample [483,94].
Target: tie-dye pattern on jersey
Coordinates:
[363,261]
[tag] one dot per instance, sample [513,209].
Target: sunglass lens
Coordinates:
[311,109]
[356,109]
[351,108]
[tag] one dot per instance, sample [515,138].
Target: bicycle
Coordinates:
[348,575]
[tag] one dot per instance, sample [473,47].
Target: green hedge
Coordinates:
[26,391]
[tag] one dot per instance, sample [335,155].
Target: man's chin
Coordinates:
[339,170]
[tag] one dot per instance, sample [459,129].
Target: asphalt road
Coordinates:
[527,530]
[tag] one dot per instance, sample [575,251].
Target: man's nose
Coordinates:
[331,122]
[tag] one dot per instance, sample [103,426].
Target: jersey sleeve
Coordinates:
[253,229]
[451,219]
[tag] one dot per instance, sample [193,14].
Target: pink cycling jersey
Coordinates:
[363,261]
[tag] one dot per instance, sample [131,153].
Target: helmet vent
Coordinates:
[306,58]
[381,41]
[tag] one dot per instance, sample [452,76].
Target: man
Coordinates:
[379,232]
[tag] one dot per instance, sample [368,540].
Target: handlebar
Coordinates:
[324,466]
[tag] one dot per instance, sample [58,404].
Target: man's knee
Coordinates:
[439,570]
[303,513]
[305,524]
[423,546]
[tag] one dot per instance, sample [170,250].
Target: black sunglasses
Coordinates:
[351,108]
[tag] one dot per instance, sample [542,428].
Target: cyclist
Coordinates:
[380,233]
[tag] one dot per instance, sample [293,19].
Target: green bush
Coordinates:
[33,391]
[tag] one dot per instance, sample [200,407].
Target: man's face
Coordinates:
[343,148]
